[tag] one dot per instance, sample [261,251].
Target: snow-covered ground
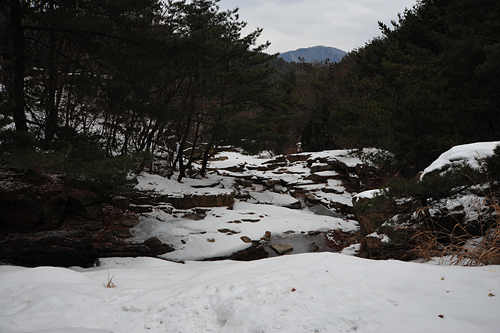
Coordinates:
[312,292]
[316,292]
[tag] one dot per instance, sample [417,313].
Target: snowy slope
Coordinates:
[320,292]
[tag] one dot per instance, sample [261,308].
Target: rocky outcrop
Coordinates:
[46,221]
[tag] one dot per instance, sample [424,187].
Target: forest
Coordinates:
[94,89]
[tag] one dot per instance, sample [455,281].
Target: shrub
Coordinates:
[76,156]
[492,164]
[431,231]
[435,186]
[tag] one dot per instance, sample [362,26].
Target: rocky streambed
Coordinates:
[305,203]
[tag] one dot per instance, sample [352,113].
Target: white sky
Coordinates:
[293,24]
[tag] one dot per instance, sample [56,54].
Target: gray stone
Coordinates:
[281,248]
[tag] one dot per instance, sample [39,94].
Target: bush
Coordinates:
[76,156]
[433,231]
[435,186]
[493,165]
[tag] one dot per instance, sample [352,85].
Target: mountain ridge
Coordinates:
[314,54]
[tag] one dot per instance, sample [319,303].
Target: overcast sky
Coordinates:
[293,24]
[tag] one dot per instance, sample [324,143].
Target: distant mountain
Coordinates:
[314,54]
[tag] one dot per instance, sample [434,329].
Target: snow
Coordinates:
[370,194]
[317,292]
[310,292]
[383,238]
[172,188]
[457,155]
[209,237]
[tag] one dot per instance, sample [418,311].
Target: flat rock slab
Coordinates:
[246,239]
[282,248]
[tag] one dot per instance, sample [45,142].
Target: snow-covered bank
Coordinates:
[320,292]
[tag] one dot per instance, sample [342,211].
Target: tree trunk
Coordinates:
[12,59]
[206,155]
[51,120]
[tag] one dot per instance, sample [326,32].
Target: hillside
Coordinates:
[314,54]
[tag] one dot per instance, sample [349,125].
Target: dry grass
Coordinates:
[110,283]
[460,247]
[482,250]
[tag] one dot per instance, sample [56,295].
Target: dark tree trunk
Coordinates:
[12,58]
[51,120]
[206,155]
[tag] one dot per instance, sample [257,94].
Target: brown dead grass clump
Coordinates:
[110,283]
[460,247]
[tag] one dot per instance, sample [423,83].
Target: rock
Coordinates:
[51,223]
[281,249]
[122,233]
[54,204]
[312,199]
[49,249]
[109,237]
[84,200]
[44,221]
[322,167]
[242,195]
[250,220]
[254,252]
[270,183]
[121,202]
[90,225]
[339,240]
[245,239]
[245,183]
[228,231]
[237,168]
[88,205]
[141,208]
[130,222]
[298,157]
[89,212]
[267,236]
[26,209]
[194,217]
[201,200]
[294,205]
[153,243]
